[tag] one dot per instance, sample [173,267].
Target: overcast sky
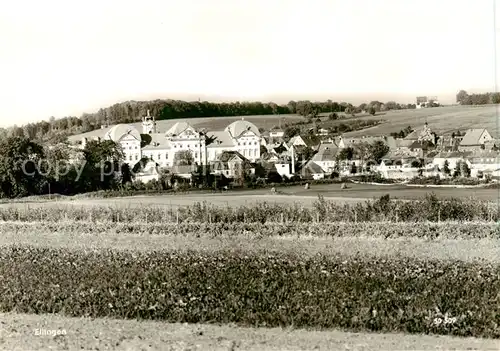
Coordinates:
[60,58]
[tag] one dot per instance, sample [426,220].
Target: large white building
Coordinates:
[241,136]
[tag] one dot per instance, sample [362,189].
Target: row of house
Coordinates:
[422,152]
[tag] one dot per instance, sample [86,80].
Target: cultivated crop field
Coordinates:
[440,119]
[387,266]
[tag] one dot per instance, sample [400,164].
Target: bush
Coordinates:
[256,289]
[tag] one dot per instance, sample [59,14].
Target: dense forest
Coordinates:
[56,130]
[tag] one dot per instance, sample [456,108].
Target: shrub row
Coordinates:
[384,209]
[272,290]
[449,181]
[429,230]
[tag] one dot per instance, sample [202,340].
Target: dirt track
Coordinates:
[18,332]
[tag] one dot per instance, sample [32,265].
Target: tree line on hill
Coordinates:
[463,98]
[57,130]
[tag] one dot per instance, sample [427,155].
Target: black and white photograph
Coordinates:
[250,175]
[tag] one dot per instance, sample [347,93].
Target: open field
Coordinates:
[287,195]
[440,119]
[17,332]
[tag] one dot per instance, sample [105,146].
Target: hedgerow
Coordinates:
[424,230]
[383,209]
[262,289]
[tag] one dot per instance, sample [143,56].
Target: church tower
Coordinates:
[148,124]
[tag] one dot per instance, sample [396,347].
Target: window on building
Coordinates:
[166,155]
[195,155]
[159,156]
[130,157]
[136,157]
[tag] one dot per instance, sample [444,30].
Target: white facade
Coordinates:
[452,161]
[283,169]
[241,136]
[248,145]
[129,138]
[131,149]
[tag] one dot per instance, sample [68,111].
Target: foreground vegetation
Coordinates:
[207,264]
[423,230]
[262,289]
[430,208]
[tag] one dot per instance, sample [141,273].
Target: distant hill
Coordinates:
[168,110]
[440,119]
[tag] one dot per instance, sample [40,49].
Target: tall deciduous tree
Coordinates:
[377,150]
[19,171]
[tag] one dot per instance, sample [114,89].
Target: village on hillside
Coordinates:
[242,149]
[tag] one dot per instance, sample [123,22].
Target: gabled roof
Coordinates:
[416,145]
[276,129]
[326,152]
[313,168]
[415,134]
[118,131]
[223,139]
[309,142]
[227,156]
[178,128]
[237,128]
[158,141]
[472,136]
